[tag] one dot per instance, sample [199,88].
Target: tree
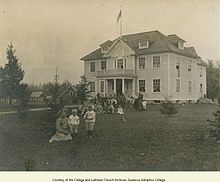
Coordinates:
[83,91]
[54,89]
[212,80]
[168,108]
[11,75]
[215,125]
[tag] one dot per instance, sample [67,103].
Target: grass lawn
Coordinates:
[146,141]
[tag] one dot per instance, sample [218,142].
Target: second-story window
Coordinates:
[120,64]
[92,67]
[103,65]
[142,63]
[178,68]
[156,61]
[200,72]
[190,65]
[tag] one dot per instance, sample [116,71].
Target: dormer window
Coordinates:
[180,45]
[143,44]
[104,50]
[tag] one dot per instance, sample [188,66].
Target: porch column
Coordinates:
[114,85]
[104,87]
[133,87]
[123,85]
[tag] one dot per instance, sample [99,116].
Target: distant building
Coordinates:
[151,63]
[67,95]
[38,97]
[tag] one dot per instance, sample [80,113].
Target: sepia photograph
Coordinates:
[118,85]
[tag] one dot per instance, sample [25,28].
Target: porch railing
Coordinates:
[116,72]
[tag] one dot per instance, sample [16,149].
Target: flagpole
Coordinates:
[121,20]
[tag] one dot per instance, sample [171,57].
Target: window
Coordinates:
[142,85]
[176,44]
[92,67]
[200,87]
[102,86]
[156,61]
[142,63]
[180,45]
[125,63]
[189,86]
[143,44]
[177,85]
[104,49]
[178,73]
[177,65]
[190,65]
[120,64]
[156,85]
[200,72]
[92,86]
[103,65]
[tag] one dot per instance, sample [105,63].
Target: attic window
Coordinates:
[180,45]
[104,49]
[143,45]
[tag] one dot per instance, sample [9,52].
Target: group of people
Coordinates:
[117,103]
[67,127]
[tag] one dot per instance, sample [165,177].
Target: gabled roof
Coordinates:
[37,94]
[159,43]
[63,90]
[123,42]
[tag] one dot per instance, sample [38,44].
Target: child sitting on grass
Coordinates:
[120,110]
[74,123]
[90,117]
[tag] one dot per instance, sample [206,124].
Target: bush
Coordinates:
[215,125]
[168,108]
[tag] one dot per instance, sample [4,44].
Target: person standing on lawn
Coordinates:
[74,124]
[90,117]
[62,127]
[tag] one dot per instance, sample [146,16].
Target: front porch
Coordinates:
[110,86]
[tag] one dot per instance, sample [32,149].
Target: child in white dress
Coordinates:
[90,117]
[74,123]
[120,110]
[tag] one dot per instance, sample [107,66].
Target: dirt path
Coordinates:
[31,110]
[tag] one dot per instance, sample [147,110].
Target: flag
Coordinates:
[119,16]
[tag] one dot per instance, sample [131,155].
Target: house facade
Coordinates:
[152,63]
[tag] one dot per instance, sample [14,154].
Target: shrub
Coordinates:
[215,125]
[168,108]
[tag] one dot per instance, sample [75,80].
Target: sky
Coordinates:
[57,33]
